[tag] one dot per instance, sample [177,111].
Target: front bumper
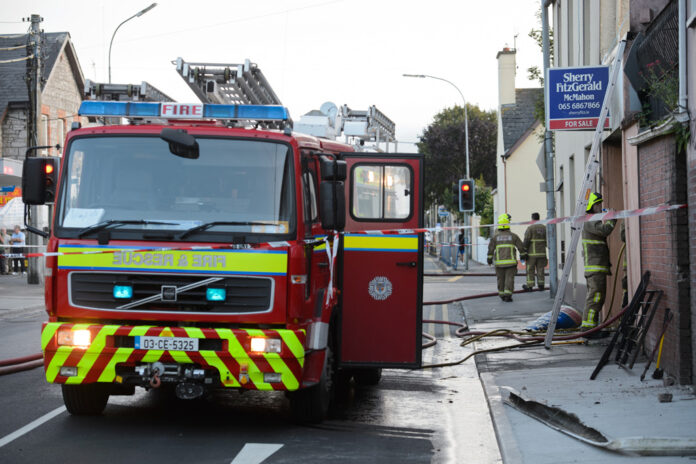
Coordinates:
[224,354]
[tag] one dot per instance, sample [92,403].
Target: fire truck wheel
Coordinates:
[85,400]
[311,405]
[367,377]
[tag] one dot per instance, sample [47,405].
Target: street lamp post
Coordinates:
[138,14]
[466,115]
[466,143]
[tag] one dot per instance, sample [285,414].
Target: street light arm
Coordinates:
[138,14]
[466,112]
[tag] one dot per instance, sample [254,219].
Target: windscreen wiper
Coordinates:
[119,222]
[208,225]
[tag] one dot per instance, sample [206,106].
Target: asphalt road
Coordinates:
[429,415]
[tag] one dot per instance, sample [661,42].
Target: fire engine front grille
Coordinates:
[244,294]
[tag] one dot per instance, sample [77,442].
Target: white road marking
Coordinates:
[31,426]
[255,453]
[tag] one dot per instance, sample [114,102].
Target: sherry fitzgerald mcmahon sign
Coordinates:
[574,97]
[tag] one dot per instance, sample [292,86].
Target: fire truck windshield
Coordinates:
[244,188]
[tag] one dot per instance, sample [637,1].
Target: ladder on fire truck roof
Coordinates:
[124,92]
[231,84]
[375,125]
[329,122]
[587,184]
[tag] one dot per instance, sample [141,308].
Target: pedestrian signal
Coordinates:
[466,195]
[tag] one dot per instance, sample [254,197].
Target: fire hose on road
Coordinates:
[24,363]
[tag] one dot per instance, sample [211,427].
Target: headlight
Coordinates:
[80,338]
[265,345]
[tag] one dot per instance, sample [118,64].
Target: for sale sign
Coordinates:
[574,97]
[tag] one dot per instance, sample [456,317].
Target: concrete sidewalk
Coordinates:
[17,296]
[617,403]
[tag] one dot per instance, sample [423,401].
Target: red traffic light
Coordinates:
[465,187]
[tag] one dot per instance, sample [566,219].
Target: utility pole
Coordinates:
[548,156]
[33,129]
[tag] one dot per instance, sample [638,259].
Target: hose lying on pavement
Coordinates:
[526,339]
[23,359]
[21,367]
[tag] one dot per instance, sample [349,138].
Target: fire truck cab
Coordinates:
[188,254]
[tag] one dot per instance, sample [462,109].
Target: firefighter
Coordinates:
[535,244]
[597,265]
[501,253]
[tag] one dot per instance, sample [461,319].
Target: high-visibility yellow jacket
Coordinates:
[594,246]
[535,241]
[501,249]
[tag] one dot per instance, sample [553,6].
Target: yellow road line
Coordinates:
[447,329]
[454,279]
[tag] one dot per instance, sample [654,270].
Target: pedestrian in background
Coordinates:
[535,244]
[502,254]
[18,240]
[597,264]
[462,244]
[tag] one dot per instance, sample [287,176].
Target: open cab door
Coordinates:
[381,277]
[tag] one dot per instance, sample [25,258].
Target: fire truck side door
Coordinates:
[381,277]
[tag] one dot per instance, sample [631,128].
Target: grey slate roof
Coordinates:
[13,87]
[517,119]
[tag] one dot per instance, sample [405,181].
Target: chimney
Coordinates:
[506,76]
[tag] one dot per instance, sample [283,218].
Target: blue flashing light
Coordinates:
[215,294]
[144,109]
[263,112]
[210,111]
[119,109]
[102,108]
[123,292]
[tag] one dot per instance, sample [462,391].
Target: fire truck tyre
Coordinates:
[311,405]
[85,400]
[367,377]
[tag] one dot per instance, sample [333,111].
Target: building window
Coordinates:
[60,134]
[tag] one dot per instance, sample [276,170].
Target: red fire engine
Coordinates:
[192,255]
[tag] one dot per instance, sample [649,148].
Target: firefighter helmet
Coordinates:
[595,198]
[503,220]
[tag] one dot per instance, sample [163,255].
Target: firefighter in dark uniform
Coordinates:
[597,264]
[501,253]
[535,244]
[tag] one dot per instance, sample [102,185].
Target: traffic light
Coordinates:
[39,180]
[466,195]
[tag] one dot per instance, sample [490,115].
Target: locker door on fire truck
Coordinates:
[382,274]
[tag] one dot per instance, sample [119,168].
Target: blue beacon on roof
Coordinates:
[171,110]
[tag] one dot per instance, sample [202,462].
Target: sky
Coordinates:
[350,52]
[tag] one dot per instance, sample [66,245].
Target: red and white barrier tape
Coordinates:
[609,215]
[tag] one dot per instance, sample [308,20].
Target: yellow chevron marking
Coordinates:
[109,372]
[91,354]
[47,334]
[290,339]
[59,358]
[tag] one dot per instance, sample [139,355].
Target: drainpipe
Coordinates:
[549,155]
[682,57]
[502,157]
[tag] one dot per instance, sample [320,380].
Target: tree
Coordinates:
[484,205]
[443,144]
